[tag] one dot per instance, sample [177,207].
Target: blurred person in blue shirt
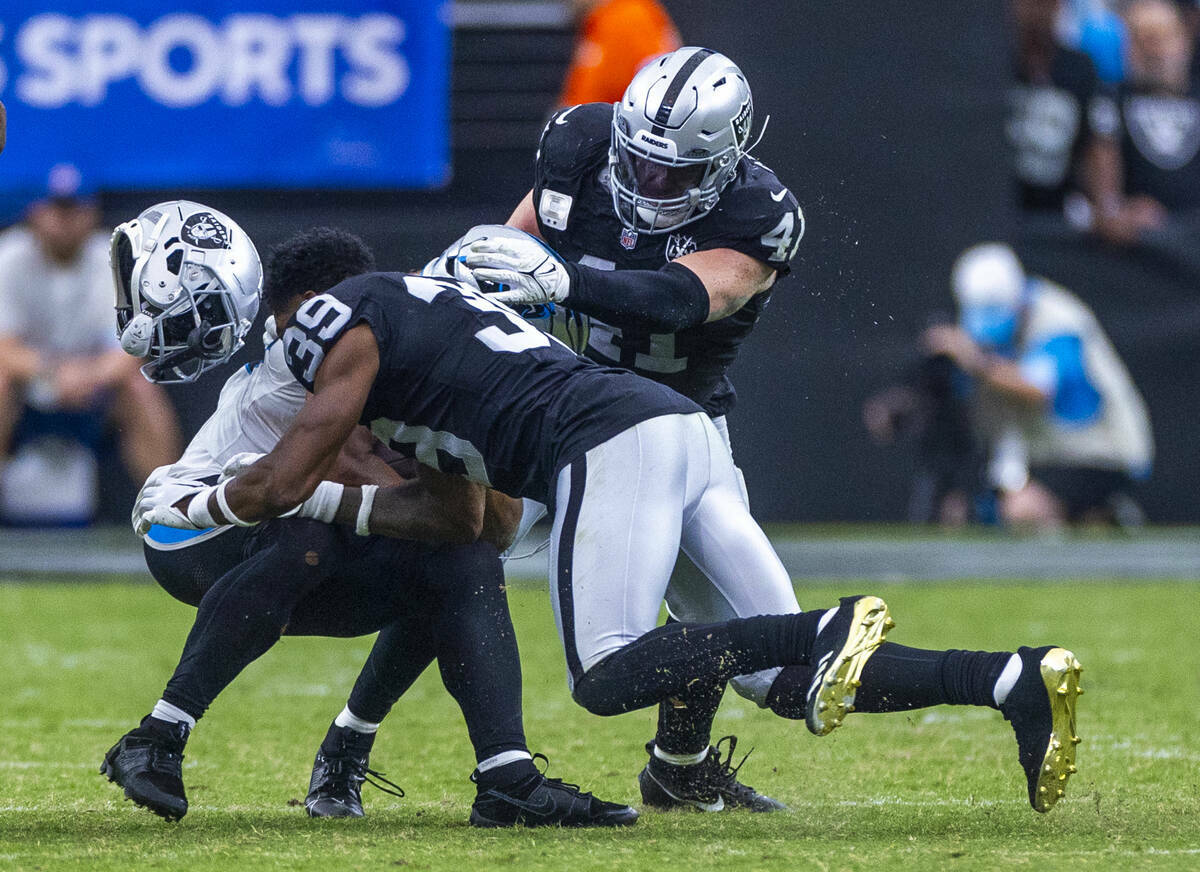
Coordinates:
[1067,432]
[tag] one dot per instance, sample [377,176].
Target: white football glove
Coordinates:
[156,501]
[532,273]
[235,465]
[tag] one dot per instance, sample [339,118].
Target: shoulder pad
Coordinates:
[757,193]
[573,139]
[758,215]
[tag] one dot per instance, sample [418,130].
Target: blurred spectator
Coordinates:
[3,126]
[62,374]
[1061,124]
[1067,431]
[1096,30]
[1159,112]
[614,38]
[929,409]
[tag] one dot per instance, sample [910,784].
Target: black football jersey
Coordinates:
[1160,145]
[1049,126]
[756,215]
[467,386]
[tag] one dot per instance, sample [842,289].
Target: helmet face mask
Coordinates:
[187,282]
[677,137]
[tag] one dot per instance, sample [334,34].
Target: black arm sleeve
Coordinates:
[665,300]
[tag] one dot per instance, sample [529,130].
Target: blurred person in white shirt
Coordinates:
[63,374]
[1067,430]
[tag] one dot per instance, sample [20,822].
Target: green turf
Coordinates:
[80,663]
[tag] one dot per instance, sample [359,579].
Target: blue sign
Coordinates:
[266,93]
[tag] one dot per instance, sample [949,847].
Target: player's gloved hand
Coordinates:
[235,465]
[155,503]
[531,272]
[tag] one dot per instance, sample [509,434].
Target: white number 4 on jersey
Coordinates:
[785,237]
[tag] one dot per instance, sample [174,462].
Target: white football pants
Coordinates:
[622,512]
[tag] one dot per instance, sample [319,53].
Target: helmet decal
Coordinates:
[741,124]
[203,230]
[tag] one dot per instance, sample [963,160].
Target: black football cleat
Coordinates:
[335,788]
[538,801]
[148,763]
[1041,709]
[710,785]
[838,656]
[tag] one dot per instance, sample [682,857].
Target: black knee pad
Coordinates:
[599,691]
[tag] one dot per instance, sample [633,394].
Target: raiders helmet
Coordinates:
[188,281]
[677,137]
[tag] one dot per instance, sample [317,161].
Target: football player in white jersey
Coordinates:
[188,288]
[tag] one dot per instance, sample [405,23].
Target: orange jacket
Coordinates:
[615,38]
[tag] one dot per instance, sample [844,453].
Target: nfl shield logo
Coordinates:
[628,239]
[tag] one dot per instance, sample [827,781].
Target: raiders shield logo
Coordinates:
[203,230]
[628,239]
[741,124]
[678,245]
[1166,130]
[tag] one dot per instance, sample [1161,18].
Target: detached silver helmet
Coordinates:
[677,137]
[188,281]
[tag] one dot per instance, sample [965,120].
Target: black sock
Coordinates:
[899,678]
[685,719]
[477,647]
[665,661]
[518,778]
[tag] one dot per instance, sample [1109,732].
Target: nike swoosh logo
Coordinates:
[542,808]
[562,119]
[778,198]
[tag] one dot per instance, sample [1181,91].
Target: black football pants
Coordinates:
[305,578]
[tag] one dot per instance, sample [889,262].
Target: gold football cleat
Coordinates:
[838,670]
[1060,674]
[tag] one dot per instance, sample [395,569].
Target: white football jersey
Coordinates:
[256,406]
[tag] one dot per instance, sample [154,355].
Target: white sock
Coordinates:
[349,719]
[680,759]
[825,619]
[173,714]
[1008,678]
[502,759]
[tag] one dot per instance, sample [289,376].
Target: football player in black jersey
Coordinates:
[673,237]
[442,374]
[433,587]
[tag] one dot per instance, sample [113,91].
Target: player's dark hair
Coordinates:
[313,260]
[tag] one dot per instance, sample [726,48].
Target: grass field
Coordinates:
[81,663]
